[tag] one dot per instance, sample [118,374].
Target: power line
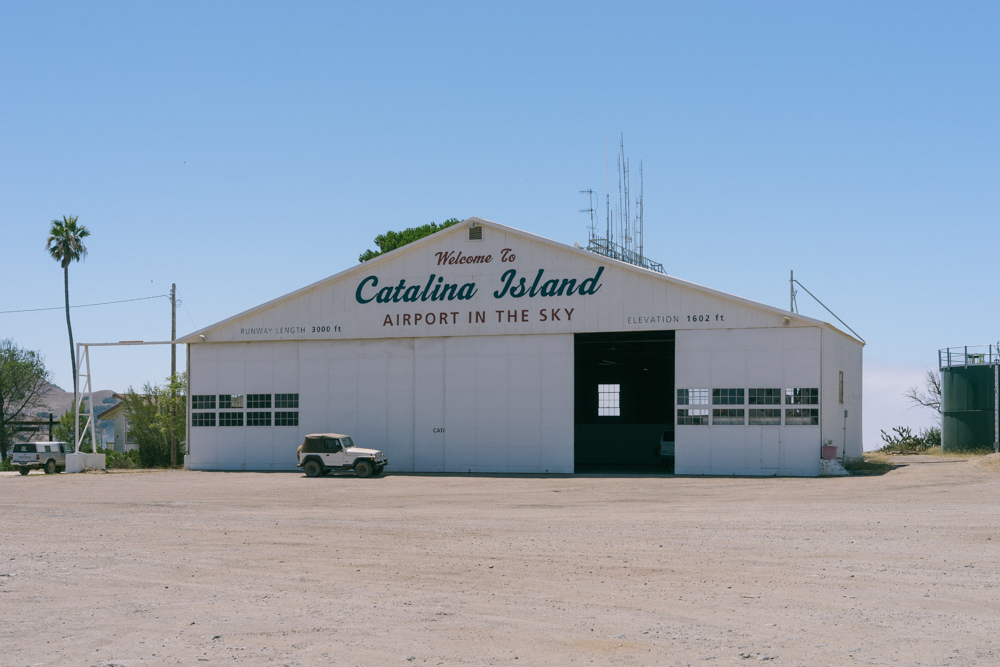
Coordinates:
[85,305]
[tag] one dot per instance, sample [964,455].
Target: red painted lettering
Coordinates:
[569,313]
[541,314]
[555,314]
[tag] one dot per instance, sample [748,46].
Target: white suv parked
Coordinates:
[322,453]
[47,456]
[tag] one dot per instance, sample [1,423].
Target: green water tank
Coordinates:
[968,407]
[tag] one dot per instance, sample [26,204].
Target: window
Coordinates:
[692,397]
[332,445]
[202,419]
[802,417]
[259,418]
[286,418]
[765,416]
[286,400]
[692,417]
[259,401]
[128,431]
[765,397]
[476,233]
[841,386]
[727,416]
[727,397]
[230,419]
[203,402]
[802,396]
[607,400]
[230,401]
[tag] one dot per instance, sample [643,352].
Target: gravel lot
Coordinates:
[142,568]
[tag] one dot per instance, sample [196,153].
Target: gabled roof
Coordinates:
[374,264]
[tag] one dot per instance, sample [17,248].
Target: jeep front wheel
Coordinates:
[313,468]
[363,469]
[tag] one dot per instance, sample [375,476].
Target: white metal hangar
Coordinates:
[483,348]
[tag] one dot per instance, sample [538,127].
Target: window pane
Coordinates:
[259,401]
[765,416]
[692,417]
[692,397]
[203,418]
[607,400]
[727,417]
[230,401]
[799,396]
[203,402]
[286,400]
[258,419]
[727,397]
[802,417]
[230,419]
[764,397]
[286,418]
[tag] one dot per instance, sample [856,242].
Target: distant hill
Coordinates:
[58,401]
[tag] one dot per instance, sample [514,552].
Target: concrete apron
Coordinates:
[82,462]
[827,468]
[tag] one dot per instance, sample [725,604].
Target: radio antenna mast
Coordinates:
[624,227]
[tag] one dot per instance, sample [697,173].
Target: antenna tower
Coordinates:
[624,229]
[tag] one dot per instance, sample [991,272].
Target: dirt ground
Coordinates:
[150,568]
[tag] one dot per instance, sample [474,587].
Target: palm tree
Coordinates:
[65,244]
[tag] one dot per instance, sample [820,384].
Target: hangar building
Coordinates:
[483,348]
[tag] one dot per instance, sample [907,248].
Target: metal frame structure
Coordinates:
[83,357]
[624,231]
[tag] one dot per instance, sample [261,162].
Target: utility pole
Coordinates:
[791,286]
[173,371]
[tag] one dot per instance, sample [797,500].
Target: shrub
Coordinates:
[122,460]
[902,440]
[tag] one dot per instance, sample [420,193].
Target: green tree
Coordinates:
[392,240]
[65,430]
[24,381]
[153,414]
[65,244]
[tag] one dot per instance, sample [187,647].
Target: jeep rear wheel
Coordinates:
[50,467]
[313,468]
[363,469]
[23,470]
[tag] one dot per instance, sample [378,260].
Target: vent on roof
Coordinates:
[475,232]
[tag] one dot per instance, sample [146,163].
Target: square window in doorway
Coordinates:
[607,400]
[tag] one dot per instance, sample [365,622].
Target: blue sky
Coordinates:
[243,150]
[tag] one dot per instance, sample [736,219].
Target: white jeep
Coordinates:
[322,453]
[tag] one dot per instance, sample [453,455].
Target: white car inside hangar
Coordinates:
[483,348]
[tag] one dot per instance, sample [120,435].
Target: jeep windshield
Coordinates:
[347,442]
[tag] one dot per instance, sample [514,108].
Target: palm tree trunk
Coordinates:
[72,351]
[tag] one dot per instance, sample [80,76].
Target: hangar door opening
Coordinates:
[624,399]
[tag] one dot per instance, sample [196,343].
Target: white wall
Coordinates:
[735,358]
[499,404]
[841,353]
